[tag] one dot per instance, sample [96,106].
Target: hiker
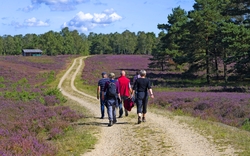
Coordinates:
[136,77]
[100,88]
[143,87]
[125,91]
[112,97]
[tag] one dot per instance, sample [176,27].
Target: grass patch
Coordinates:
[218,133]
[231,136]
[79,140]
[79,84]
[91,90]
[59,76]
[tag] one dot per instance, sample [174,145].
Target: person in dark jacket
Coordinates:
[136,76]
[142,87]
[111,102]
[99,93]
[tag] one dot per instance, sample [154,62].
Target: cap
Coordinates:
[104,73]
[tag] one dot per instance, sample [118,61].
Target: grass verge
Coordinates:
[222,135]
[218,133]
[79,84]
[80,139]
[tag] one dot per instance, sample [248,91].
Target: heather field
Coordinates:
[32,114]
[174,91]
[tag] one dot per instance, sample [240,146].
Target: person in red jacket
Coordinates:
[125,91]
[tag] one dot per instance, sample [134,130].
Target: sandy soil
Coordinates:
[159,135]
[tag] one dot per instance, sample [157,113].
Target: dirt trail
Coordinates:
[160,135]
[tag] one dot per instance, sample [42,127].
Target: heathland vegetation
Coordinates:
[32,111]
[199,65]
[35,116]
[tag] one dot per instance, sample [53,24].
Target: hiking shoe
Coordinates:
[110,123]
[102,117]
[120,116]
[115,121]
[126,113]
[143,119]
[139,120]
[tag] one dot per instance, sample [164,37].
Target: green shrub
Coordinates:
[56,92]
[50,77]
[246,125]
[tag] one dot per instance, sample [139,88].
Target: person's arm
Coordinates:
[150,89]
[133,90]
[104,90]
[130,88]
[118,89]
[98,92]
[151,93]
[132,94]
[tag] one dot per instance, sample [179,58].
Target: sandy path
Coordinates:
[160,135]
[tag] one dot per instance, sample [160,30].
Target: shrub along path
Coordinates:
[160,135]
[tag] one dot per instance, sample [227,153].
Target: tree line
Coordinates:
[214,33]
[73,42]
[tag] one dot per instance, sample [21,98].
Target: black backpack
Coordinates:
[111,92]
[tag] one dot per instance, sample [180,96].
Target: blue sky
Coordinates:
[98,16]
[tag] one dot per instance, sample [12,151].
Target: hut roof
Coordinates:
[32,51]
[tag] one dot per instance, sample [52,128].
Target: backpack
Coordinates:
[111,92]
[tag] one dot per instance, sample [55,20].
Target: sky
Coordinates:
[98,16]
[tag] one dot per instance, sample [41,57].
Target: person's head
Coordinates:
[111,75]
[123,73]
[137,72]
[104,74]
[143,73]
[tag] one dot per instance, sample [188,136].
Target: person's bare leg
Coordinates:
[144,117]
[139,118]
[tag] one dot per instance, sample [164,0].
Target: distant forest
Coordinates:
[213,37]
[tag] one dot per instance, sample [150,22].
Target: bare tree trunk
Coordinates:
[216,64]
[225,67]
[207,66]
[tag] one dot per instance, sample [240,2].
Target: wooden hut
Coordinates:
[32,52]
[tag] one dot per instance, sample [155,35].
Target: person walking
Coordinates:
[100,88]
[143,87]
[137,75]
[125,91]
[111,99]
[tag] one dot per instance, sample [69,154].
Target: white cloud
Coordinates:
[109,11]
[55,5]
[30,8]
[85,21]
[32,22]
